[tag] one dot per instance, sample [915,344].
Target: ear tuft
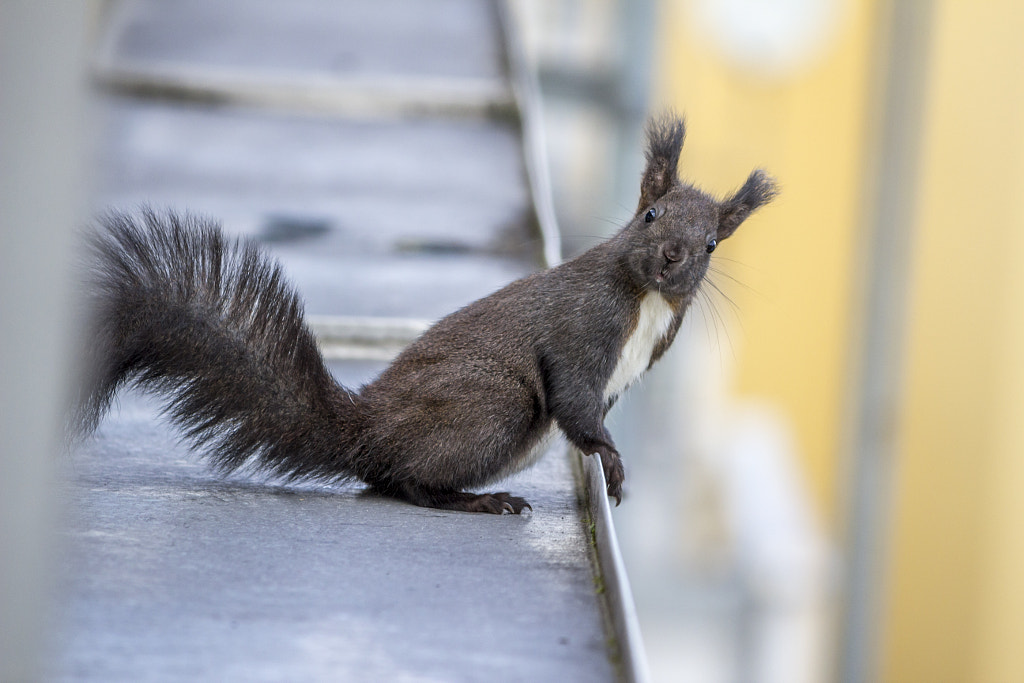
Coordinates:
[665,136]
[759,189]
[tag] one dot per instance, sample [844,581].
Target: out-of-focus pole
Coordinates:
[892,175]
[42,49]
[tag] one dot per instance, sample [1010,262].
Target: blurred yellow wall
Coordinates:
[954,570]
[955,603]
[794,260]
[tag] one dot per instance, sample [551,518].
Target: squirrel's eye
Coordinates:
[650,215]
[711,245]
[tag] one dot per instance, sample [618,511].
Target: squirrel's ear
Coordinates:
[759,189]
[664,142]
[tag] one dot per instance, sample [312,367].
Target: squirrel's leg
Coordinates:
[494,503]
[611,463]
[582,421]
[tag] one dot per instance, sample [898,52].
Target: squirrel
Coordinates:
[211,324]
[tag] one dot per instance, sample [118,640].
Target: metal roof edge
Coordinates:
[526,92]
[632,659]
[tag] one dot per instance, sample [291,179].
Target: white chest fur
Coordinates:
[655,320]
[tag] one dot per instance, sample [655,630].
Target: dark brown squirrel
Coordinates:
[210,324]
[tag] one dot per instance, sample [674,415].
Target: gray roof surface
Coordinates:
[174,573]
[421,38]
[409,217]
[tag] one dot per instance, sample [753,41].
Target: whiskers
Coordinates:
[708,297]
[725,274]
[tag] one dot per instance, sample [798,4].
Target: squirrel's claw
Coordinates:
[615,491]
[514,505]
[614,474]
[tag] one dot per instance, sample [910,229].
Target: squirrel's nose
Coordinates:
[671,252]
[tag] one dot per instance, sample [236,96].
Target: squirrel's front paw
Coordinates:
[614,474]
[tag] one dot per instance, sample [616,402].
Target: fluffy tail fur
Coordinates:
[210,324]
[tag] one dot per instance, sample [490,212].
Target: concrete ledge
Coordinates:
[172,573]
[363,337]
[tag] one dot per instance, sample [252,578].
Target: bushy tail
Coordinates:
[211,325]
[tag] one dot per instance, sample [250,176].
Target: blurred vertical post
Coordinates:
[891,182]
[41,108]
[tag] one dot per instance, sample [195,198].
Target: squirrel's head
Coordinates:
[676,226]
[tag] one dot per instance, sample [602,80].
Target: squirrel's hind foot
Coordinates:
[493,503]
[509,503]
